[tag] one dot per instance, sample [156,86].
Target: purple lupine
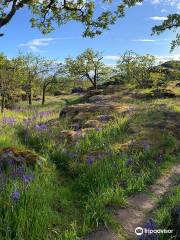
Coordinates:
[15,196]
[90,160]
[145,145]
[149,225]
[98,129]
[18,173]
[72,155]
[129,162]
[159,159]
[8,120]
[104,118]
[41,127]
[28,178]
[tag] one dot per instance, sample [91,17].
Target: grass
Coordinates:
[78,182]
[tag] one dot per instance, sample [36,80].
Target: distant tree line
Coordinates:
[26,75]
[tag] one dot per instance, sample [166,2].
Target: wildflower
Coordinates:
[72,155]
[129,162]
[149,225]
[15,196]
[90,160]
[145,145]
[98,129]
[159,159]
[40,127]
[28,178]
[104,118]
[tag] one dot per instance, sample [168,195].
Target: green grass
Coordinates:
[78,182]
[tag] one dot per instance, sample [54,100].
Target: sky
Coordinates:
[133,32]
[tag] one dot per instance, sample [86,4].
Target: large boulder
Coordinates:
[156,93]
[78,90]
[17,157]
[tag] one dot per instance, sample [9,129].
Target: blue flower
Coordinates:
[28,178]
[15,196]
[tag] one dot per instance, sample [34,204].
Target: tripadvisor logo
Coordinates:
[140,231]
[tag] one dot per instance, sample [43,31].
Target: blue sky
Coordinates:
[130,33]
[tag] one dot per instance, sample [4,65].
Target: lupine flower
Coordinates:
[145,145]
[28,178]
[72,155]
[104,118]
[18,173]
[15,196]
[150,225]
[159,159]
[98,129]
[40,127]
[129,162]
[8,120]
[90,160]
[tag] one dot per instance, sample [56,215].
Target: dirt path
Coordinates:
[139,208]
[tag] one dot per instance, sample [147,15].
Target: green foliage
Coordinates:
[87,65]
[136,69]
[46,13]
[171,23]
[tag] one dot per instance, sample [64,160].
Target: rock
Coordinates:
[156,93]
[92,92]
[73,110]
[105,118]
[59,93]
[13,156]
[72,137]
[92,124]
[101,98]
[175,221]
[162,93]
[78,90]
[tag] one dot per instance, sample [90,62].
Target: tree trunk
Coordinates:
[30,98]
[2,103]
[43,95]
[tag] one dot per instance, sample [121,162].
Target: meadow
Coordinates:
[75,182]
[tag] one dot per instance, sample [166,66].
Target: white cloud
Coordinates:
[139,4]
[143,40]
[155,1]
[158,18]
[167,3]
[164,10]
[150,40]
[111,57]
[41,42]
[168,58]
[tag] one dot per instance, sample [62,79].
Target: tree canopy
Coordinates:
[171,23]
[47,12]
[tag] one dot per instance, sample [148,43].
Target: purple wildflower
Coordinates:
[72,155]
[129,162]
[15,196]
[90,160]
[159,159]
[41,127]
[145,145]
[28,178]
[149,225]
[104,118]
